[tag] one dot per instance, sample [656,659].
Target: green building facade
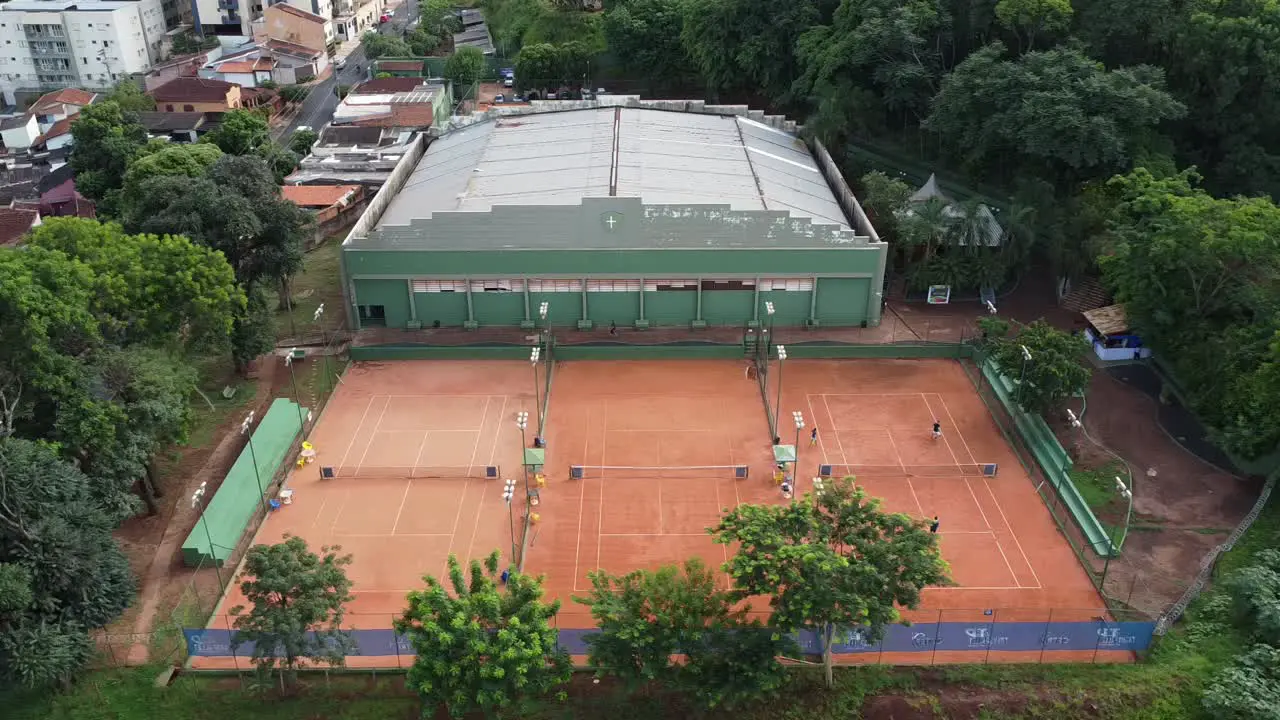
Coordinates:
[443,251]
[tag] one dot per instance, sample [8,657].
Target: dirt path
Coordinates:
[166,579]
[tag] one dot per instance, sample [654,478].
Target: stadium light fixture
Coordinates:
[535,354]
[799,421]
[777,407]
[1127,493]
[245,425]
[509,494]
[197,502]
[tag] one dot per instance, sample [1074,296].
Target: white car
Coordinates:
[341,64]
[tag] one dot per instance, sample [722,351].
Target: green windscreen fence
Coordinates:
[238,498]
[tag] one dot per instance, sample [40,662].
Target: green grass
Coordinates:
[318,282]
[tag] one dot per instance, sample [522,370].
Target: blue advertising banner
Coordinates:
[920,637]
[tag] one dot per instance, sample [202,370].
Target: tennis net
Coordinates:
[969,470]
[634,472]
[409,472]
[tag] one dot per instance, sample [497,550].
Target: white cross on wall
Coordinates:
[612,221]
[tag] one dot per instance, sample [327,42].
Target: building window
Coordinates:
[670,285]
[374,315]
[787,284]
[728,285]
[439,286]
[168,108]
[498,285]
[613,286]
[188,108]
[555,286]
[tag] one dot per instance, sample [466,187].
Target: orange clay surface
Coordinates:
[1008,561]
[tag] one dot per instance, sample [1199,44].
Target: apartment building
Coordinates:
[236,17]
[352,18]
[50,44]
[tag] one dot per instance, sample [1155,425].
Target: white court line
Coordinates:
[346,495]
[894,445]
[981,512]
[946,442]
[384,535]
[484,488]
[582,498]
[669,429]
[374,435]
[657,534]
[978,587]
[967,532]
[320,512]
[959,434]
[475,447]
[356,433]
[813,414]
[1012,574]
[1025,559]
[844,459]
[836,395]
[920,507]
[493,449]
[400,510]
[604,450]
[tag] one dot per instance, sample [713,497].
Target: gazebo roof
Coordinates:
[1109,320]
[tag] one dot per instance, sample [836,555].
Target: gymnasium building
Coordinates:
[614,212]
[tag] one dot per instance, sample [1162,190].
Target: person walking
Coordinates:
[613,328]
[813,437]
[786,490]
[937,429]
[933,526]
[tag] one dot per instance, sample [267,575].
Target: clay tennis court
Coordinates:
[392,428]
[403,437]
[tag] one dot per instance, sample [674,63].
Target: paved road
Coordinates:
[318,107]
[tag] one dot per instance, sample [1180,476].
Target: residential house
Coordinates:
[58,105]
[295,63]
[351,155]
[201,95]
[323,8]
[399,68]
[19,133]
[15,223]
[384,86]
[56,195]
[416,109]
[351,18]
[52,44]
[247,72]
[182,127]
[331,206]
[59,136]
[181,66]
[288,23]
[225,17]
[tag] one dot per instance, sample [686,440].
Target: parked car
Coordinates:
[341,64]
[508,82]
[499,98]
[384,19]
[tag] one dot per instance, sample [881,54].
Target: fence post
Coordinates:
[1044,636]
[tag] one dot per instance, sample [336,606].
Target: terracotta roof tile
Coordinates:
[60,128]
[293,49]
[65,96]
[400,65]
[15,223]
[193,89]
[321,196]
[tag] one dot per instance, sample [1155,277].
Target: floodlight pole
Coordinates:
[325,337]
[522,421]
[769,310]
[508,494]
[293,380]
[1022,379]
[196,502]
[799,426]
[777,407]
[1115,548]
[244,430]
[534,355]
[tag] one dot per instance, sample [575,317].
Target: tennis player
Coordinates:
[937,429]
[813,437]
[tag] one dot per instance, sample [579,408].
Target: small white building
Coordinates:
[19,133]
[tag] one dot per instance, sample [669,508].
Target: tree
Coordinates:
[241,132]
[537,66]
[297,600]
[889,47]
[294,94]
[131,98]
[831,561]
[645,37]
[646,618]
[58,553]
[1249,689]
[1028,18]
[302,141]
[282,161]
[185,160]
[1056,109]
[1197,274]
[149,289]
[482,647]
[574,63]
[884,199]
[253,333]
[106,140]
[1056,368]
[438,18]
[465,67]
[1255,596]
[377,45]
[745,44]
